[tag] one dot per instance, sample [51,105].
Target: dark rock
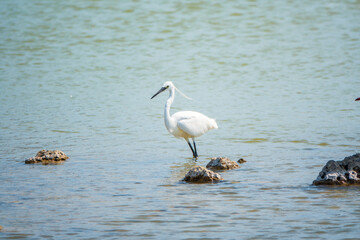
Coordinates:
[199,174]
[222,163]
[48,157]
[343,172]
[241,160]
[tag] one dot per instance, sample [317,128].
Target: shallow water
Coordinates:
[280,78]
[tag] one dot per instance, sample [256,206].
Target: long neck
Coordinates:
[167,117]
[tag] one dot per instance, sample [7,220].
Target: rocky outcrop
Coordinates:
[48,157]
[222,163]
[343,172]
[200,174]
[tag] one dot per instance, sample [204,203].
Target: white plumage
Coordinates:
[185,124]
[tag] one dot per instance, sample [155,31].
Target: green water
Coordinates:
[280,77]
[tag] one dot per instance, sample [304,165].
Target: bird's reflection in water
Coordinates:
[181,168]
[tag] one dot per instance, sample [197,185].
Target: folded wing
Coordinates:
[194,123]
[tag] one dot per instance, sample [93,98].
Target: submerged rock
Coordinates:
[200,174]
[222,163]
[343,172]
[48,157]
[241,160]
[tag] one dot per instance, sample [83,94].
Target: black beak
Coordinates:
[161,90]
[358,99]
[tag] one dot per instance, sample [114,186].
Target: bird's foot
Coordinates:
[195,158]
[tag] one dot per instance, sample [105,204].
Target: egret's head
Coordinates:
[167,85]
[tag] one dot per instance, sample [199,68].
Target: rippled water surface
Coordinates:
[280,77]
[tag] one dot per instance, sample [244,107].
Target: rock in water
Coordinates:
[199,174]
[48,157]
[222,163]
[343,172]
[241,160]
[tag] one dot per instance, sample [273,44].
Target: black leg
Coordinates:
[192,150]
[196,155]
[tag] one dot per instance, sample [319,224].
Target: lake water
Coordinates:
[280,77]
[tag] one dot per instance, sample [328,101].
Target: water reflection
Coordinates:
[181,168]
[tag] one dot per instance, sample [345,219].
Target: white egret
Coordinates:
[185,124]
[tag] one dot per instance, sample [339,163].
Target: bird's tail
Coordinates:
[214,124]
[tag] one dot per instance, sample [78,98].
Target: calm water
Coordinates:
[280,77]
